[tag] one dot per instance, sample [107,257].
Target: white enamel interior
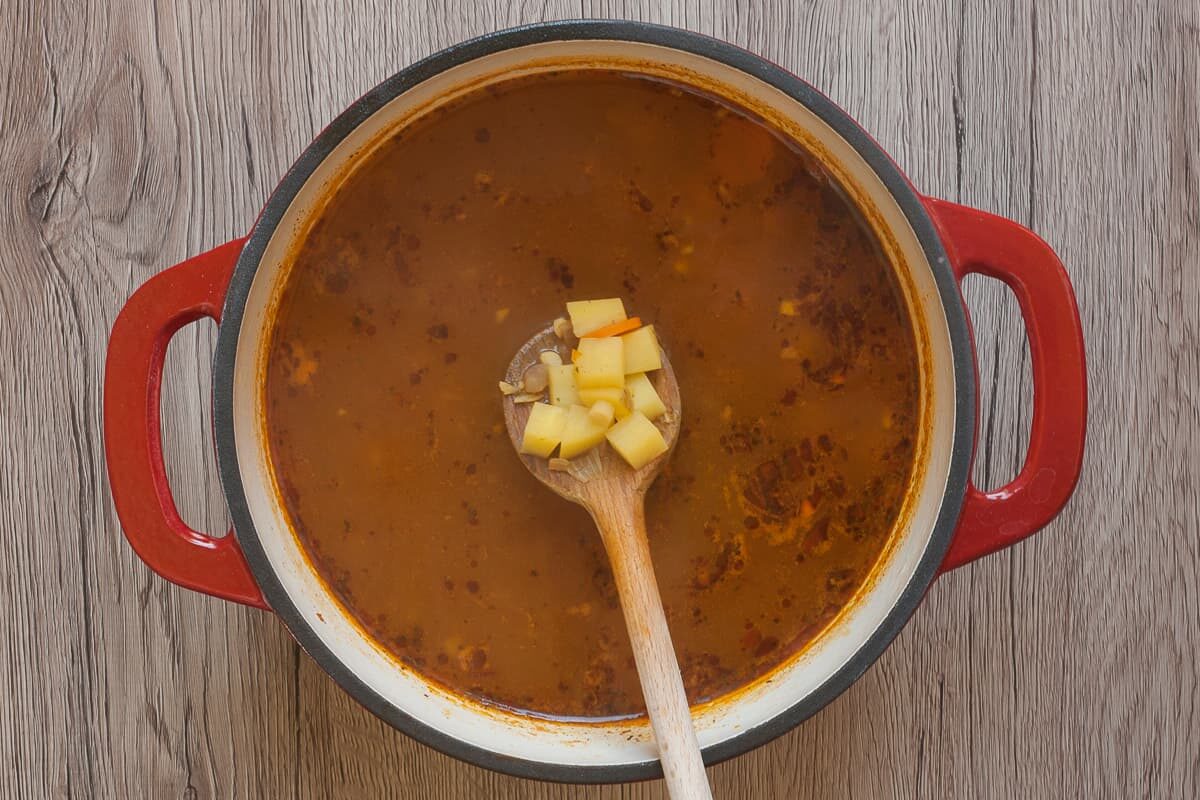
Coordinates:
[579,744]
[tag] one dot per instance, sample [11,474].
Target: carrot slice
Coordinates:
[575,356]
[615,329]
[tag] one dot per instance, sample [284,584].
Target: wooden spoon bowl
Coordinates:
[596,474]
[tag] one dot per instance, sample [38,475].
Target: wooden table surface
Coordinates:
[133,135]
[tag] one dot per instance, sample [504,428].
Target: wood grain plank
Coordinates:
[135,134]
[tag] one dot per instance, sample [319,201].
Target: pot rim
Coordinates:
[903,193]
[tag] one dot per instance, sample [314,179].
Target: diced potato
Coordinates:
[543,430]
[637,440]
[601,363]
[606,394]
[590,397]
[641,350]
[603,392]
[643,397]
[588,315]
[564,391]
[602,413]
[580,433]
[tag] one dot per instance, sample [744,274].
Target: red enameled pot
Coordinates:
[948,523]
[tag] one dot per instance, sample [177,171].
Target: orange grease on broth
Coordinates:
[386,436]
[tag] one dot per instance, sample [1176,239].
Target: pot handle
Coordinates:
[137,475]
[979,242]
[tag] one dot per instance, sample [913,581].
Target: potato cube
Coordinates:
[637,440]
[564,391]
[643,397]
[606,394]
[589,397]
[602,413]
[589,315]
[641,350]
[580,433]
[601,363]
[543,430]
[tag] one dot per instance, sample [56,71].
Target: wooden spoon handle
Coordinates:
[623,529]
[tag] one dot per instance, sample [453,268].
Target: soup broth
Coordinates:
[465,232]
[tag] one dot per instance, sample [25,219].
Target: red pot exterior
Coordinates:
[216,283]
[137,349]
[983,243]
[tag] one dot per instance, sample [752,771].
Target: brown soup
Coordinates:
[469,229]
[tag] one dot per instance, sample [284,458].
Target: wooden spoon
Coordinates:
[614,494]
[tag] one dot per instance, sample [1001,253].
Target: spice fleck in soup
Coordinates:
[427,268]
